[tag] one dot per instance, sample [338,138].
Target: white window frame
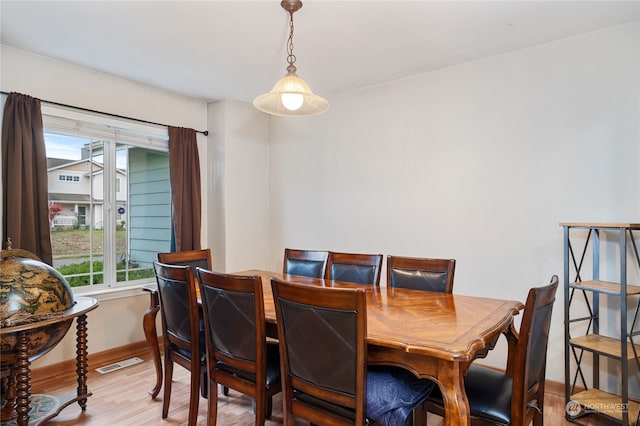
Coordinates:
[112,131]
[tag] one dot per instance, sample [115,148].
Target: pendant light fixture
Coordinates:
[291,96]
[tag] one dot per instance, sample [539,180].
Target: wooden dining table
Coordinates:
[433,335]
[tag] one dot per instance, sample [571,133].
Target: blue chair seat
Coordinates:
[393,393]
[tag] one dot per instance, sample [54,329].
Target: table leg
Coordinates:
[81,359]
[23,379]
[456,404]
[150,333]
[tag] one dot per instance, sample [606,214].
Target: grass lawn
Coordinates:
[76,243]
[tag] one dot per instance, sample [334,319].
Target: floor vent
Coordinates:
[118,365]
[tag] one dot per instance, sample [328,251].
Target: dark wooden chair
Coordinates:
[421,273]
[180,331]
[307,263]
[200,258]
[516,396]
[323,350]
[355,268]
[238,353]
[194,258]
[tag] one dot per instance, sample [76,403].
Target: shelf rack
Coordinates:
[624,349]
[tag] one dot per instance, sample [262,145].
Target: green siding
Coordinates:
[151,198]
[149,205]
[148,233]
[149,210]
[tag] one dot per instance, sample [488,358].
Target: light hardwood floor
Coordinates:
[120,397]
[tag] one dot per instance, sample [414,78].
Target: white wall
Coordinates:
[115,322]
[479,162]
[238,185]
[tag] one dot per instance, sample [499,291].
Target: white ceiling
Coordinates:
[236,49]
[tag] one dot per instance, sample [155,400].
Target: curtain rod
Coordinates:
[204,132]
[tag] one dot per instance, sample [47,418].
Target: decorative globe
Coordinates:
[31,291]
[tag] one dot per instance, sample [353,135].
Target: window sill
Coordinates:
[123,292]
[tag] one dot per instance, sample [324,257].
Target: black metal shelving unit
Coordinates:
[587,295]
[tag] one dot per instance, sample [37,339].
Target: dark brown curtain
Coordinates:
[184,170]
[25,213]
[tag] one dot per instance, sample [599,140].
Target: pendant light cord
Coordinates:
[291,58]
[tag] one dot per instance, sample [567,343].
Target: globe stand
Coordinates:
[21,388]
[8,393]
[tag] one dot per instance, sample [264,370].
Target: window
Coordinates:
[68,178]
[106,228]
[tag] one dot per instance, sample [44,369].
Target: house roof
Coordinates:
[57,197]
[58,164]
[55,162]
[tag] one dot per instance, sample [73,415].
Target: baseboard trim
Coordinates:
[98,359]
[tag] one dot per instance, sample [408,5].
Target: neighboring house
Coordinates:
[77,187]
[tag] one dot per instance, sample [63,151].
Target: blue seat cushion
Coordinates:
[393,393]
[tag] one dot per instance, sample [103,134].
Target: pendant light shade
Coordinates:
[291,95]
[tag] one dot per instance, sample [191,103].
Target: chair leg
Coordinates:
[225,390]
[538,418]
[168,378]
[194,399]
[269,408]
[203,382]
[419,416]
[212,408]
[260,409]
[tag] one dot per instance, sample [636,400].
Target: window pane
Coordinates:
[75,208]
[91,244]
[148,216]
